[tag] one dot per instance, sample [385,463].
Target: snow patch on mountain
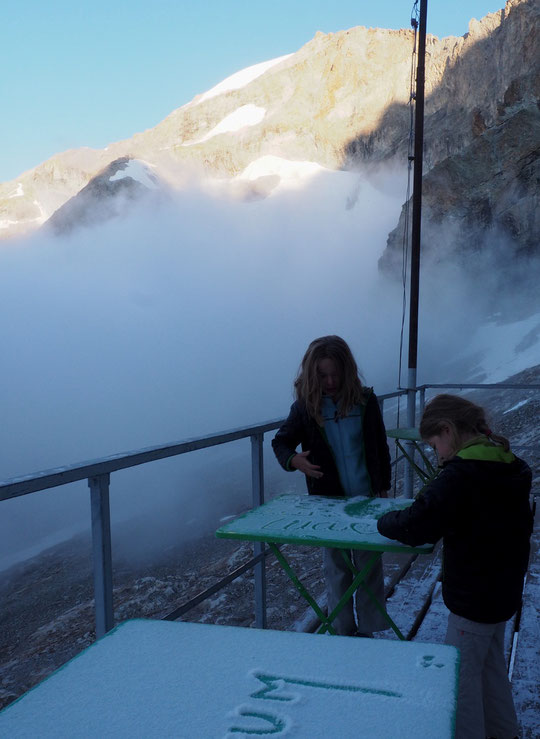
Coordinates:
[516,406]
[8,222]
[241,78]
[506,349]
[246,115]
[284,168]
[18,192]
[139,171]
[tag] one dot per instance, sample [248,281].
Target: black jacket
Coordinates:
[300,428]
[481,511]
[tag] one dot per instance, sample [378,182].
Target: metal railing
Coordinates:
[420,391]
[98,472]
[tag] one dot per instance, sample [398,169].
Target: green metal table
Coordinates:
[411,436]
[313,520]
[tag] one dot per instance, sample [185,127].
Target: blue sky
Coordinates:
[89,73]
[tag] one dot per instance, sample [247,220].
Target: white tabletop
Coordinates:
[315,520]
[196,681]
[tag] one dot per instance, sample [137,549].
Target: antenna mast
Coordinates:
[415,237]
[416,215]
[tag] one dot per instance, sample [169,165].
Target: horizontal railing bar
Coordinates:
[62,475]
[394,394]
[46,479]
[188,605]
[480,386]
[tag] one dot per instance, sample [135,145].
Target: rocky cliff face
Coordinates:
[113,192]
[482,200]
[341,101]
[482,197]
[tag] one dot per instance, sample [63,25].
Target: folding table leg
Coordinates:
[357,582]
[301,589]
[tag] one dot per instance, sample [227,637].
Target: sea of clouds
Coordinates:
[191,317]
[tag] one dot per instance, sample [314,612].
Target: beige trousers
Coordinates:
[485,706]
[338,578]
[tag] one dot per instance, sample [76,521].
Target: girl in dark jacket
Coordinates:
[338,423]
[479,505]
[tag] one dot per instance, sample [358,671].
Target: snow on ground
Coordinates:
[48,607]
[518,405]
[246,115]
[241,78]
[139,171]
[505,349]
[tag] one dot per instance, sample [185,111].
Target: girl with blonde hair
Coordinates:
[338,424]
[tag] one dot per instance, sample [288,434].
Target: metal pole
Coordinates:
[422,400]
[415,237]
[101,544]
[257,486]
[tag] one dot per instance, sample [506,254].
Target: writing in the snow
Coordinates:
[266,719]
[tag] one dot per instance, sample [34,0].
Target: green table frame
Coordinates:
[313,520]
[412,436]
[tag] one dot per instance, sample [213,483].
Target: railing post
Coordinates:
[421,406]
[408,483]
[422,401]
[257,487]
[101,545]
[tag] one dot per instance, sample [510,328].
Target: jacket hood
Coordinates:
[483,449]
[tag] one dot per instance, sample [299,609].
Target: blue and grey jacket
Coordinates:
[346,438]
[300,429]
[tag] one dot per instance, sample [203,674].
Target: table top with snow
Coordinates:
[407,434]
[151,678]
[315,520]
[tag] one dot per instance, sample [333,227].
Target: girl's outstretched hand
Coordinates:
[300,462]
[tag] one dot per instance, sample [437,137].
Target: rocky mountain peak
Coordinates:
[341,101]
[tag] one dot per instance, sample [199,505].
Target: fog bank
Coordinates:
[183,319]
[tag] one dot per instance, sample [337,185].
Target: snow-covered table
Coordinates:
[149,679]
[315,520]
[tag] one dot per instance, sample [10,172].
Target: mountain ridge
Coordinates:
[342,101]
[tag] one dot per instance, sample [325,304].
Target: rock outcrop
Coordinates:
[109,194]
[483,196]
[481,200]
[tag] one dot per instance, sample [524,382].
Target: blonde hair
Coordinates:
[463,418]
[308,383]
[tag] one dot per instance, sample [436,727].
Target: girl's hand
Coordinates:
[300,462]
